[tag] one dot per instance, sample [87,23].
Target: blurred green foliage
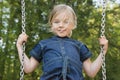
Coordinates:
[37,11]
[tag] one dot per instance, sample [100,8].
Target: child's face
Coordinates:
[62,24]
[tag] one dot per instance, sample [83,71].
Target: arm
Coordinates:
[92,68]
[29,64]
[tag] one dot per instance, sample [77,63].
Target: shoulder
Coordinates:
[77,42]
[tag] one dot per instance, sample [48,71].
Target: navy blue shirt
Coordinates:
[62,58]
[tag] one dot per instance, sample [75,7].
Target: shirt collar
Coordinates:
[58,37]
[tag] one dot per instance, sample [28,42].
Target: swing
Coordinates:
[102,34]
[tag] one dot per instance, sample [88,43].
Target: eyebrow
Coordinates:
[64,19]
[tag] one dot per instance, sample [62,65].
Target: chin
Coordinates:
[62,35]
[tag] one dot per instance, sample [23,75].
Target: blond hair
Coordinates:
[60,8]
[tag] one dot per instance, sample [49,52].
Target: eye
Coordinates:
[66,21]
[56,21]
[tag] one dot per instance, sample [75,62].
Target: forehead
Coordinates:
[63,14]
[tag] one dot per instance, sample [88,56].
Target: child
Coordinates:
[63,58]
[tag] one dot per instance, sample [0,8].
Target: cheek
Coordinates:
[53,29]
[53,26]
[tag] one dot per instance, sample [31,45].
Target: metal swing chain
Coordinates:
[23,46]
[102,34]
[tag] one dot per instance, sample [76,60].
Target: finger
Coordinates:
[23,33]
[102,37]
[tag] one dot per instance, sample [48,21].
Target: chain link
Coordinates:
[102,34]
[23,15]
[23,46]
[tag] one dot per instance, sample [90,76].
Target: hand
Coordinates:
[103,42]
[21,39]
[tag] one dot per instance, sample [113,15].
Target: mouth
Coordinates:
[61,31]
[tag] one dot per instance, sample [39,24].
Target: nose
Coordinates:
[61,24]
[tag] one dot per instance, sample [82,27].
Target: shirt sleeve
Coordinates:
[84,53]
[36,52]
